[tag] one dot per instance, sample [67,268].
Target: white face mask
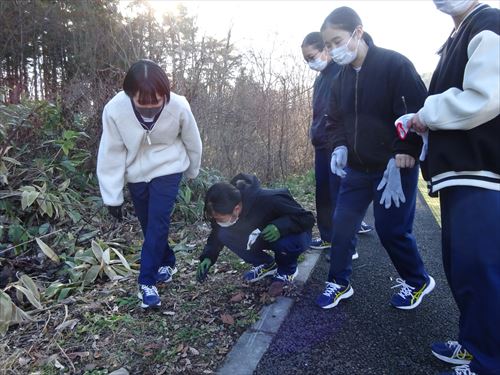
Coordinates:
[453,7]
[317,64]
[343,55]
[227,223]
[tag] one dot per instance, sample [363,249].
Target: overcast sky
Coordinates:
[414,28]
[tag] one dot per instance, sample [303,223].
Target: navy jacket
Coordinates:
[462,156]
[321,99]
[366,103]
[260,208]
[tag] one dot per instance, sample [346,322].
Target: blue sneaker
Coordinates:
[279,281]
[408,297]
[460,370]
[259,272]
[148,294]
[319,244]
[333,294]
[451,352]
[165,274]
[364,228]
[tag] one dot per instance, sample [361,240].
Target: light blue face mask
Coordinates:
[343,55]
[317,64]
[453,7]
[227,224]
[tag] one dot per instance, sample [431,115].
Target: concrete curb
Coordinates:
[251,346]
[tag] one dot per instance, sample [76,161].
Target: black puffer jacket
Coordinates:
[260,208]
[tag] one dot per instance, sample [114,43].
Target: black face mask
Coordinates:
[149,112]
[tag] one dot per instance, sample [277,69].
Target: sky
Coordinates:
[414,28]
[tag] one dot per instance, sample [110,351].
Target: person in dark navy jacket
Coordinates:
[248,220]
[461,119]
[327,183]
[373,89]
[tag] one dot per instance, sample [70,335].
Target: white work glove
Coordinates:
[392,181]
[339,161]
[252,238]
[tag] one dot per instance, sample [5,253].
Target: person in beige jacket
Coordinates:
[149,140]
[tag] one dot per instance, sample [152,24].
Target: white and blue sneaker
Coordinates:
[319,244]
[460,370]
[333,294]
[259,272]
[451,352]
[364,228]
[408,296]
[165,274]
[148,294]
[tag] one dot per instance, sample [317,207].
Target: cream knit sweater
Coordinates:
[129,153]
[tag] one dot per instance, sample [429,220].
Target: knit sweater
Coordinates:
[129,153]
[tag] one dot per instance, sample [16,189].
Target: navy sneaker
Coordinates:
[364,228]
[148,294]
[451,352]
[279,282]
[319,244]
[333,294]
[460,370]
[165,274]
[408,297]
[259,272]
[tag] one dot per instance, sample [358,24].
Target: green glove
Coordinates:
[201,273]
[271,233]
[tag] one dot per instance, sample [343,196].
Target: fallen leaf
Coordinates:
[120,371]
[23,361]
[227,319]
[67,324]
[78,354]
[238,297]
[193,351]
[169,313]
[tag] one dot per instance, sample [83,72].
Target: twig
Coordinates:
[66,356]
[27,242]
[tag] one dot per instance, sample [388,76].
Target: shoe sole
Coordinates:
[174,271]
[145,306]
[268,273]
[355,255]
[450,360]
[343,296]
[430,288]
[318,247]
[363,231]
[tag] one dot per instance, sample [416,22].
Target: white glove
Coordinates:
[339,161]
[392,182]
[252,238]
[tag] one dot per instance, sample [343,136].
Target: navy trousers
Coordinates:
[327,191]
[394,225]
[470,219]
[153,203]
[286,249]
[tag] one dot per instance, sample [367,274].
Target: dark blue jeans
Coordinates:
[327,191]
[286,250]
[470,218]
[394,225]
[153,203]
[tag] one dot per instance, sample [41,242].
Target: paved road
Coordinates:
[365,335]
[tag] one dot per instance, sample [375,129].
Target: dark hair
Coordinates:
[346,19]
[314,39]
[147,78]
[221,198]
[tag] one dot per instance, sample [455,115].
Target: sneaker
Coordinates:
[259,272]
[407,298]
[460,370]
[451,352]
[364,228]
[165,274]
[148,294]
[279,282]
[333,294]
[319,244]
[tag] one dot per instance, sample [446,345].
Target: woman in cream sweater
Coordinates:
[149,140]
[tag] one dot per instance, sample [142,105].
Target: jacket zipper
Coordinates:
[356,117]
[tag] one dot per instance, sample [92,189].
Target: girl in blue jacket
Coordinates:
[373,89]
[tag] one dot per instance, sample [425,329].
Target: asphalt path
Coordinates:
[364,334]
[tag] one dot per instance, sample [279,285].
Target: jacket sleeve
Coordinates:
[111,162]
[213,246]
[334,126]
[479,101]
[291,217]
[190,136]
[409,93]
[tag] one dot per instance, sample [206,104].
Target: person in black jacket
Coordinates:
[373,89]
[327,183]
[461,118]
[248,220]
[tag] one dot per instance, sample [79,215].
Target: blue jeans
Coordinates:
[153,203]
[393,225]
[286,249]
[470,218]
[327,191]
